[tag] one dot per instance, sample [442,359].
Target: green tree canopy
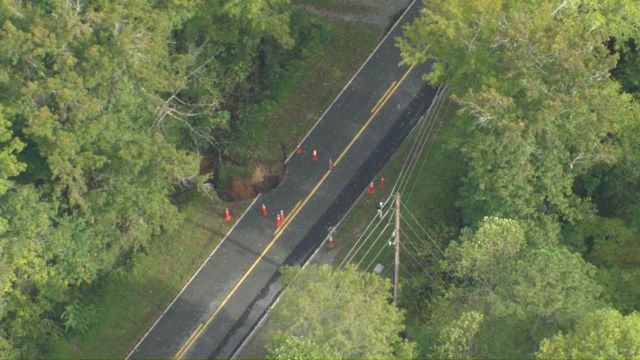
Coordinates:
[604,334]
[505,296]
[533,83]
[327,313]
[104,106]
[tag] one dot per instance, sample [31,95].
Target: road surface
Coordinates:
[360,131]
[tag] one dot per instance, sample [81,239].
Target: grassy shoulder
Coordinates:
[437,180]
[430,194]
[272,127]
[129,300]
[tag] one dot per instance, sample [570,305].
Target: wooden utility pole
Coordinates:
[396,276]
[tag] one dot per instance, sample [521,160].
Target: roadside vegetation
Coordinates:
[530,191]
[121,126]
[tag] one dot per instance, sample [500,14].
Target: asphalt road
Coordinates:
[231,291]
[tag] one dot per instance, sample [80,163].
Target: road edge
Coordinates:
[263,318]
[329,107]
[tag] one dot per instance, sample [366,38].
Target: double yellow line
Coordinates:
[287,220]
[294,212]
[374,111]
[384,96]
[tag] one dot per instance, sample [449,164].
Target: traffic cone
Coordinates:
[371,189]
[282,215]
[227,215]
[264,210]
[381,184]
[298,149]
[330,243]
[278,221]
[314,156]
[330,167]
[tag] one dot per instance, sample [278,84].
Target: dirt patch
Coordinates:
[374,12]
[263,179]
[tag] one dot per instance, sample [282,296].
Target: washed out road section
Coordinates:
[195,325]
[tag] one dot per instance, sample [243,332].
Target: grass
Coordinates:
[336,6]
[432,202]
[130,299]
[298,98]
[435,184]
[298,110]
[437,181]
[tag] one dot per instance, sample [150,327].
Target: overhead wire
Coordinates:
[364,242]
[422,127]
[376,257]
[425,129]
[408,211]
[422,158]
[423,137]
[424,268]
[415,249]
[423,242]
[420,132]
[372,245]
[362,236]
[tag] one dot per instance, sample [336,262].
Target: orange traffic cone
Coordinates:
[314,156]
[278,221]
[371,189]
[264,210]
[330,166]
[381,184]
[227,215]
[330,243]
[298,149]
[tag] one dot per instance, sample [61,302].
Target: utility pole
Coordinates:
[396,276]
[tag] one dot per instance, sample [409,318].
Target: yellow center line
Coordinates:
[288,217]
[189,341]
[295,211]
[383,96]
[366,124]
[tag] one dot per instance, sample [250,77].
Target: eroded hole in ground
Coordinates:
[263,178]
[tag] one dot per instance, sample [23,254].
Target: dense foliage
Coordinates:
[546,100]
[337,314]
[104,106]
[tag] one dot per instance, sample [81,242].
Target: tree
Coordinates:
[481,254]
[457,341]
[505,295]
[104,106]
[551,287]
[604,334]
[536,98]
[336,314]
[9,148]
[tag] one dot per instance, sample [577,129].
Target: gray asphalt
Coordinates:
[235,255]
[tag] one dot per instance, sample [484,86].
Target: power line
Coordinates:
[423,137]
[423,229]
[423,159]
[362,244]
[421,144]
[372,245]
[422,241]
[416,250]
[362,236]
[376,257]
[420,134]
[424,268]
